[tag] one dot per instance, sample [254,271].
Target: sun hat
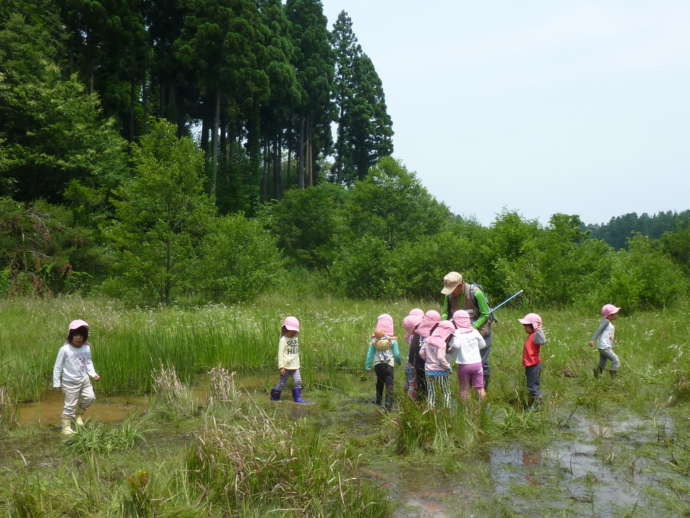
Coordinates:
[443,330]
[450,282]
[76,324]
[429,320]
[291,324]
[417,312]
[409,323]
[461,319]
[609,309]
[532,319]
[385,323]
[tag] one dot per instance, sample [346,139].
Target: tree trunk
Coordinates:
[131,109]
[300,153]
[215,144]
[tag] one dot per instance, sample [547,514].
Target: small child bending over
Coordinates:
[73,367]
[288,360]
[530,356]
[604,337]
[383,354]
[436,365]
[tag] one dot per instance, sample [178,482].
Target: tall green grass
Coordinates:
[129,344]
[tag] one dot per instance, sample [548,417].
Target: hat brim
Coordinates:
[524,321]
[291,328]
[447,290]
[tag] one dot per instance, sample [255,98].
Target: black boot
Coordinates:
[613,373]
[275,395]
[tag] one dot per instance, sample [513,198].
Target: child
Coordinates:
[604,337]
[530,355]
[423,331]
[288,360]
[436,366]
[410,322]
[467,342]
[383,353]
[73,366]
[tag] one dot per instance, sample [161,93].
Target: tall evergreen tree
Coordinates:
[314,61]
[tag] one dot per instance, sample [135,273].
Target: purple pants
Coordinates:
[470,374]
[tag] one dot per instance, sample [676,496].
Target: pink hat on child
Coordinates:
[609,309]
[443,330]
[409,323]
[291,324]
[532,319]
[461,319]
[384,322]
[429,320]
[76,324]
[416,312]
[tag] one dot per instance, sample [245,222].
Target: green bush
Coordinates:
[361,268]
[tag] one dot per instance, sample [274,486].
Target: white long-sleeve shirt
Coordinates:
[73,364]
[466,347]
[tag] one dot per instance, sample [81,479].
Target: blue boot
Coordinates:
[297,395]
[275,395]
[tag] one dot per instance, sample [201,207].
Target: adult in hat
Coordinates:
[470,297]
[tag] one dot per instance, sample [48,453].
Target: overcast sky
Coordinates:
[538,106]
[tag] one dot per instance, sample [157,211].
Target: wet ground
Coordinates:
[616,466]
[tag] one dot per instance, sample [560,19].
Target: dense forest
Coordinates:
[194,151]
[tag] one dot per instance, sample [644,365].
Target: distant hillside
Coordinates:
[617,231]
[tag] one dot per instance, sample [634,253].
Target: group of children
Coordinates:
[433,345]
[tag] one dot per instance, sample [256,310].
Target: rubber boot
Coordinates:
[598,371]
[275,395]
[297,395]
[613,373]
[79,421]
[67,427]
[389,401]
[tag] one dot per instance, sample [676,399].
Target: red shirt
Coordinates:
[530,351]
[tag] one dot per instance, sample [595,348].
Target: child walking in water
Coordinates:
[288,360]
[466,344]
[383,354]
[436,366]
[72,372]
[604,337]
[530,355]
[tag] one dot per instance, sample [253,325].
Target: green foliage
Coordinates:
[51,129]
[360,269]
[392,204]
[98,438]
[163,215]
[307,223]
[239,260]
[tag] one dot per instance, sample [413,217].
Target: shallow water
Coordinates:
[48,410]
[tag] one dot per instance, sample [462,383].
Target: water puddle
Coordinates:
[48,410]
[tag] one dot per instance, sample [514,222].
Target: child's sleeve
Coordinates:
[422,352]
[370,356]
[282,360]
[396,352]
[442,358]
[539,337]
[602,326]
[480,340]
[57,369]
[90,370]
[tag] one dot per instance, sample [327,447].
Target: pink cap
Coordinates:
[76,324]
[416,312]
[291,324]
[443,330]
[462,320]
[384,322]
[609,309]
[409,323]
[429,320]
[531,318]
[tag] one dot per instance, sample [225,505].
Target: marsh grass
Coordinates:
[172,398]
[102,439]
[223,387]
[8,410]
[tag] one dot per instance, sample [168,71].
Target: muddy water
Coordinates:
[569,477]
[110,409]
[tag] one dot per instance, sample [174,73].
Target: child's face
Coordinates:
[528,328]
[77,340]
[613,316]
[290,334]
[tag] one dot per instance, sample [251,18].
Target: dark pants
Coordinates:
[532,374]
[384,376]
[420,379]
[484,353]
